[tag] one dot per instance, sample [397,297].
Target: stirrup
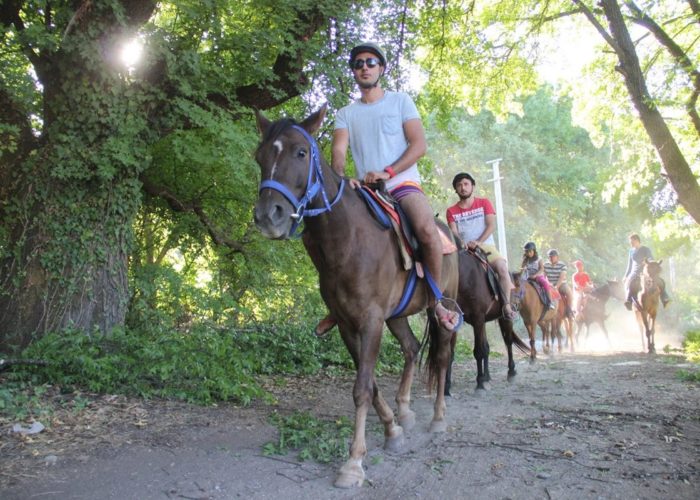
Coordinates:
[456,310]
[504,312]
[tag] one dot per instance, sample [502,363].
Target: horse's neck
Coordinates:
[335,231]
[602,293]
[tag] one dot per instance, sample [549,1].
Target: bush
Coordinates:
[203,365]
[691,346]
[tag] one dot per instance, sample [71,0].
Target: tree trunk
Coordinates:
[677,168]
[40,302]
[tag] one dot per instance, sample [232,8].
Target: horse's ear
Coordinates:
[262,122]
[660,261]
[314,121]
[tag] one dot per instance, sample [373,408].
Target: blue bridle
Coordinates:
[314,187]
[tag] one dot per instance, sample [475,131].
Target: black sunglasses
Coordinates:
[371,62]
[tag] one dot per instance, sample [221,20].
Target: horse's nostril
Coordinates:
[278,213]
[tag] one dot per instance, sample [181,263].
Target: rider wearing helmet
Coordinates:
[555,270]
[384,132]
[533,268]
[473,219]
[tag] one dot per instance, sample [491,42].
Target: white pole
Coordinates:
[500,222]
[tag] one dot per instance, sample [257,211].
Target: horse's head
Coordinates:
[617,289]
[290,173]
[652,268]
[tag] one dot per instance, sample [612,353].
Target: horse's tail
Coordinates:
[507,331]
[438,355]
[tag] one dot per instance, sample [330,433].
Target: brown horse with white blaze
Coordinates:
[361,275]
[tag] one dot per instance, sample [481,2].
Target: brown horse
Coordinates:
[526,299]
[593,310]
[361,275]
[646,303]
[479,306]
[562,318]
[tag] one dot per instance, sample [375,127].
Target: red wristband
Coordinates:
[390,171]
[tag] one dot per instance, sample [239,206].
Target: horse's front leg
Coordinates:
[650,336]
[531,334]
[409,347]
[363,345]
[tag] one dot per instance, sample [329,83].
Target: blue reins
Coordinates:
[314,187]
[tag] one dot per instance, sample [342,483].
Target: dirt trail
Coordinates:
[587,425]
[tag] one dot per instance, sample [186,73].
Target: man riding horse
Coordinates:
[385,135]
[638,254]
[473,219]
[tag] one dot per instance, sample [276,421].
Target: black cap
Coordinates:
[552,251]
[530,245]
[460,176]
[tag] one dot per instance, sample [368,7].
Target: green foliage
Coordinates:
[21,400]
[313,439]
[691,345]
[201,367]
[691,348]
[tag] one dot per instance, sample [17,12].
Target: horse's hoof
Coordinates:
[482,387]
[438,426]
[408,420]
[532,361]
[395,442]
[511,375]
[351,474]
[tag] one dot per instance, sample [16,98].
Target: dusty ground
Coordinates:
[595,424]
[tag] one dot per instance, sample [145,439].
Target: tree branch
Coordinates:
[599,27]
[678,54]
[288,68]
[176,205]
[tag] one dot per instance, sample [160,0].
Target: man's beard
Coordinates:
[464,197]
[366,85]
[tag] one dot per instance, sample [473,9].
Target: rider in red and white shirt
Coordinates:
[474,221]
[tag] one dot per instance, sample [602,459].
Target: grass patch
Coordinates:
[313,439]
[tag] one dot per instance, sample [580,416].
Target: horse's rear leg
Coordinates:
[409,347]
[507,333]
[605,331]
[481,354]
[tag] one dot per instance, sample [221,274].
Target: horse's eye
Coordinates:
[301,153]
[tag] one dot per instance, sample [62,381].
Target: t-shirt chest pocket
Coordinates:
[391,124]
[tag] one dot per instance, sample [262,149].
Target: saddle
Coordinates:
[491,277]
[389,214]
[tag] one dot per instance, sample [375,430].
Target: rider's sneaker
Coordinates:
[665,302]
[628,305]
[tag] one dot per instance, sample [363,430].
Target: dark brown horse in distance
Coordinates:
[361,275]
[593,310]
[646,303]
[479,305]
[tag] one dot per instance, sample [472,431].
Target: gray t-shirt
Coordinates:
[376,134]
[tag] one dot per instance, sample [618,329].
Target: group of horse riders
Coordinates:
[357,279]
[362,127]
